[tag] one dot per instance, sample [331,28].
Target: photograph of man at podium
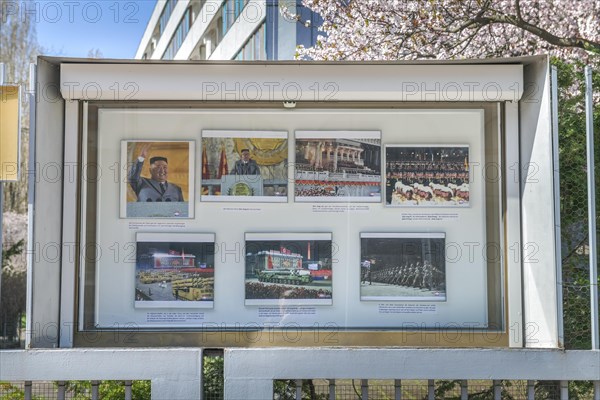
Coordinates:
[158,179]
[259,172]
[245,165]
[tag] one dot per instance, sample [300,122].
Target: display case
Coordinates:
[348,214]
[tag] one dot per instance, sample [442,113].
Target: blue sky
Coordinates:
[71,28]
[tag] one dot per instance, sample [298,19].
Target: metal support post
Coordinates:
[128,390]
[95,390]
[589,124]
[431,389]
[464,389]
[332,388]
[564,390]
[364,389]
[298,389]
[497,390]
[62,390]
[557,226]
[530,390]
[28,390]
[1,198]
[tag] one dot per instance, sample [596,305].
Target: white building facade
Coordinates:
[225,30]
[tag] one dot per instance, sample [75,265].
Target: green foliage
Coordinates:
[213,378]
[108,390]
[13,293]
[573,189]
[285,389]
[8,391]
[12,251]
[574,216]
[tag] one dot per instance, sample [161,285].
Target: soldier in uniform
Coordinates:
[390,184]
[156,188]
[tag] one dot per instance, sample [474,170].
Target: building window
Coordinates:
[231,10]
[166,14]
[180,34]
[255,48]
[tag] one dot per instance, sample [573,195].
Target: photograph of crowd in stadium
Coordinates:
[427,175]
[338,166]
[174,270]
[288,269]
[247,166]
[402,266]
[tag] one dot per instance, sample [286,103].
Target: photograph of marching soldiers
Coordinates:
[338,166]
[402,266]
[174,273]
[427,176]
[292,269]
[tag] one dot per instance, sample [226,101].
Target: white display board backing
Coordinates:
[465,230]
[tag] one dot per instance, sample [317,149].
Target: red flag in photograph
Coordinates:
[205,170]
[223,169]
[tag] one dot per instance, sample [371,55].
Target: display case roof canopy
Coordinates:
[442,81]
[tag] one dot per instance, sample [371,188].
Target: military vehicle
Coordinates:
[287,276]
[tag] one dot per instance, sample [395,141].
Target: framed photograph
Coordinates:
[403,266]
[174,270]
[425,175]
[245,166]
[288,269]
[157,179]
[338,166]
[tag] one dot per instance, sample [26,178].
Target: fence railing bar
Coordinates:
[128,390]
[62,390]
[497,390]
[364,389]
[332,389]
[530,390]
[564,390]
[298,389]
[431,389]
[464,389]
[95,390]
[27,390]
[397,389]
[596,390]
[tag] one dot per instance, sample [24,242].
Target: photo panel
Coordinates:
[174,270]
[403,266]
[427,175]
[157,179]
[244,166]
[288,269]
[338,166]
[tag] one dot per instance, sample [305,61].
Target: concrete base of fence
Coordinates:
[175,373]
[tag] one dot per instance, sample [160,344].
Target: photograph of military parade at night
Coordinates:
[174,270]
[290,269]
[427,176]
[402,266]
[338,166]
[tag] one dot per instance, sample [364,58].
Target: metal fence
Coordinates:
[424,390]
[574,198]
[75,390]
